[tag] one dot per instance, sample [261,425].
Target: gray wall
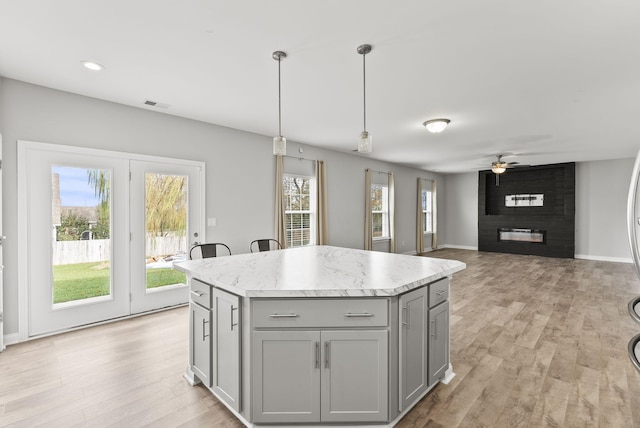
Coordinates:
[240,169]
[461,208]
[601,201]
[601,209]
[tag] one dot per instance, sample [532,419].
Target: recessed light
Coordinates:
[93,66]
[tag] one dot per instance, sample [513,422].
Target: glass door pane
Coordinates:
[81,256]
[165,228]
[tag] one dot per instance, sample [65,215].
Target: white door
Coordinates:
[165,220]
[77,237]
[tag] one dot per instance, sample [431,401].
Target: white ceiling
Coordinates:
[544,81]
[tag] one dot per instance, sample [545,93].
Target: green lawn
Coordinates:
[85,280]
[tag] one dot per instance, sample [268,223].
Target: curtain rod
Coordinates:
[379,172]
[300,158]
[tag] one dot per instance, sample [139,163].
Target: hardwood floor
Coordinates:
[535,342]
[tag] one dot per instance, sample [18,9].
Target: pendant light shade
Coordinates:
[279,142]
[364,144]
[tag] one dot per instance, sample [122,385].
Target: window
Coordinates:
[379,211]
[299,210]
[427,210]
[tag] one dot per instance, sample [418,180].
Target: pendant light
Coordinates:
[364,145]
[279,142]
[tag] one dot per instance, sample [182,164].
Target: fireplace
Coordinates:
[521,235]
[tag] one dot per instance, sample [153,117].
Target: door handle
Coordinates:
[317,355]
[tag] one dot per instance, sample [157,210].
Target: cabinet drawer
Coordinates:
[438,292]
[287,313]
[200,293]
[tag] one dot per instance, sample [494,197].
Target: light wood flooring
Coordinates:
[535,342]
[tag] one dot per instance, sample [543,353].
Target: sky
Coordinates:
[75,190]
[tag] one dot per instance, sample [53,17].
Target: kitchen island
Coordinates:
[319,335]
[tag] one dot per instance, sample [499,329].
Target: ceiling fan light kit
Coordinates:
[436,126]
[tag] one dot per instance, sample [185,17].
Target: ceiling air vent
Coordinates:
[156,104]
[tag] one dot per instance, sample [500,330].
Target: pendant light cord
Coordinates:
[364,91]
[279,103]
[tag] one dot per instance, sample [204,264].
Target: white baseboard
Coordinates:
[603,258]
[458,247]
[11,339]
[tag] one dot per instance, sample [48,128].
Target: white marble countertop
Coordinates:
[319,271]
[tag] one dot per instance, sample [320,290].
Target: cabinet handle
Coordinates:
[405,312]
[440,293]
[326,355]
[434,327]
[204,336]
[317,355]
[197,293]
[232,323]
[361,315]
[292,315]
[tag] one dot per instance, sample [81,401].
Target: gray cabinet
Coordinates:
[319,360]
[414,342]
[286,376]
[438,341]
[200,343]
[225,347]
[319,376]
[214,348]
[354,376]
[424,340]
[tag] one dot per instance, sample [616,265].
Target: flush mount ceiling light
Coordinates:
[279,142]
[364,144]
[93,66]
[436,125]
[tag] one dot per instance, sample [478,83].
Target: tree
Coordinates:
[71,227]
[165,204]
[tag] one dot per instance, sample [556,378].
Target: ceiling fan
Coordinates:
[500,167]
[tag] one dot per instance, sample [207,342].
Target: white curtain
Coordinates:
[279,227]
[368,238]
[392,215]
[321,203]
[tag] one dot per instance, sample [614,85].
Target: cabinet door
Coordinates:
[438,341]
[354,376]
[286,376]
[225,347]
[414,340]
[199,352]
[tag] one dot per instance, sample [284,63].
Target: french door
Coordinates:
[91,254]
[165,212]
